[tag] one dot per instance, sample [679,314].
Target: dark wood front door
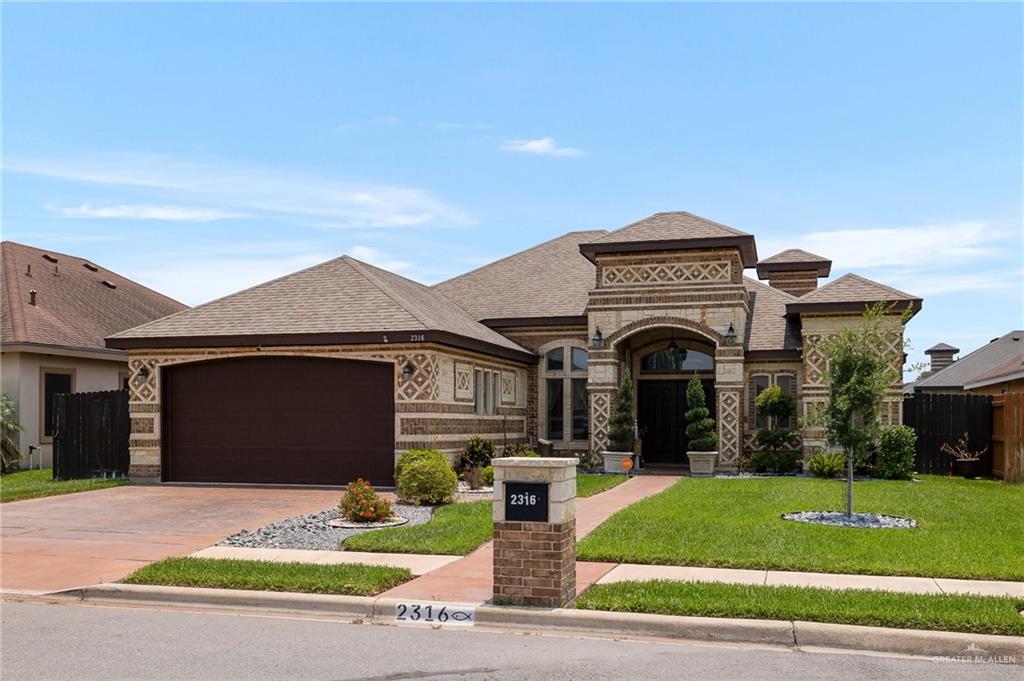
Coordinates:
[292,420]
[661,406]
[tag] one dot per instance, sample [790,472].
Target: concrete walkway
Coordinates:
[916,585]
[469,580]
[417,563]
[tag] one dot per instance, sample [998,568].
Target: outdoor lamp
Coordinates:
[408,370]
[144,372]
[672,347]
[730,336]
[598,340]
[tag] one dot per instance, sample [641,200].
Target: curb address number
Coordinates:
[434,613]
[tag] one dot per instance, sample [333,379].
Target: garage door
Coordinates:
[288,420]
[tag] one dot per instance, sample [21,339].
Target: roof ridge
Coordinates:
[14,303]
[733,230]
[386,290]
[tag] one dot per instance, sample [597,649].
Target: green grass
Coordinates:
[944,612]
[40,483]
[258,575]
[971,529]
[456,529]
[588,485]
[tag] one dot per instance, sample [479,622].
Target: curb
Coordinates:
[615,625]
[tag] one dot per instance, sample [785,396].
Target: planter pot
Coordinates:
[613,461]
[967,469]
[702,463]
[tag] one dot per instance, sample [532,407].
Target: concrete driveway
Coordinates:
[75,540]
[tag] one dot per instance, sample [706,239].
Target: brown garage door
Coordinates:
[295,420]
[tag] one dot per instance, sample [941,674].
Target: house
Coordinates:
[994,360]
[57,311]
[1008,377]
[327,374]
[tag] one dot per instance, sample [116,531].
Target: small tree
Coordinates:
[621,429]
[10,453]
[777,405]
[700,428]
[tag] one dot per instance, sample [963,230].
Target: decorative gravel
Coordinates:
[466,491]
[313,532]
[840,519]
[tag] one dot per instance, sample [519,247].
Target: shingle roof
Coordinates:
[1010,370]
[851,292]
[794,260]
[673,230]
[341,297]
[548,280]
[941,347]
[768,328]
[971,366]
[74,307]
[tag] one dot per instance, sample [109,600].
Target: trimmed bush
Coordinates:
[621,429]
[488,475]
[416,455]
[780,462]
[427,481]
[477,454]
[362,504]
[895,456]
[700,427]
[589,461]
[520,449]
[827,464]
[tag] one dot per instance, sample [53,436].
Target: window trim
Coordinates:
[43,371]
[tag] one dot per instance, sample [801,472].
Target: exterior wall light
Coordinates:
[144,372]
[598,340]
[408,370]
[730,336]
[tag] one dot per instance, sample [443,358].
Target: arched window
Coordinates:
[563,382]
[675,361]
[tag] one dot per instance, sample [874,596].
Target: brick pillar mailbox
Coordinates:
[534,531]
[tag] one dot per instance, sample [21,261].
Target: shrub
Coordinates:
[781,462]
[417,455]
[827,464]
[521,449]
[10,453]
[775,403]
[700,427]
[474,477]
[427,480]
[488,472]
[588,461]
[621,430]
[895,455]
[362,504]
[477,454]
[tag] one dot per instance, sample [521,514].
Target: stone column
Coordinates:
[602,385]
[729,400]
[534,558]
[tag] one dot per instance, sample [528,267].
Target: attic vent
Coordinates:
[109,284]
[89,266]
[48,257]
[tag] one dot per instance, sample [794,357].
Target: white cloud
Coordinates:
[257,191]
[934,283]
[544,146]
[148,212]
[378,259]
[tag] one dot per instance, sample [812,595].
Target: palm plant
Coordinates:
[10,452]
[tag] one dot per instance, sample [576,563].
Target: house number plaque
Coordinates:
[526,502]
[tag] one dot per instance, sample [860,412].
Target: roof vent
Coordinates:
[28,270]
[109,284]
[32,297]
[48,257]
[89,266]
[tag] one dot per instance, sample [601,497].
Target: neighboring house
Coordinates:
[1008,377]
[325,375]
[57,310]
[953,376]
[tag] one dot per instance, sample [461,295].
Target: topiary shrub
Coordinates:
[520,449]
[621,431]
[416,455]
[827,464]
[894,458]
[362,504]
[775,403]
[700,427]
[477,454]
[427,480]
[780,462]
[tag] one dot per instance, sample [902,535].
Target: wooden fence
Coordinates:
[90,436]
[939,419]
[1007,437]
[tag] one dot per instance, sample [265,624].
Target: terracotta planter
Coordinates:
[967,468]
[702,463]
[613,461]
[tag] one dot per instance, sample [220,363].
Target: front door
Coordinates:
[661,406]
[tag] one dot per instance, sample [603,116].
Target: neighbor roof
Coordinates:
[794,260]
[340,301]
[972,366]
[551,280]
[78,303]
[851,292]
[1010,370]
[676,230]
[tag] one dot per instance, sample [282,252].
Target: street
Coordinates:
[73,641]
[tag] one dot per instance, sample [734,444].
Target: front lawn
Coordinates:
[971,529]
[40,483]
[259,575]
[456,529]
[943,612]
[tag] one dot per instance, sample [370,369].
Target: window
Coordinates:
[786,383]
[55,382]
[565,407]
[673,362]
[486,392]
[760,383]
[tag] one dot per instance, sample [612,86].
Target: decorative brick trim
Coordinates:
[677,322]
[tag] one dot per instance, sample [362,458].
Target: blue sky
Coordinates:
[202,149]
